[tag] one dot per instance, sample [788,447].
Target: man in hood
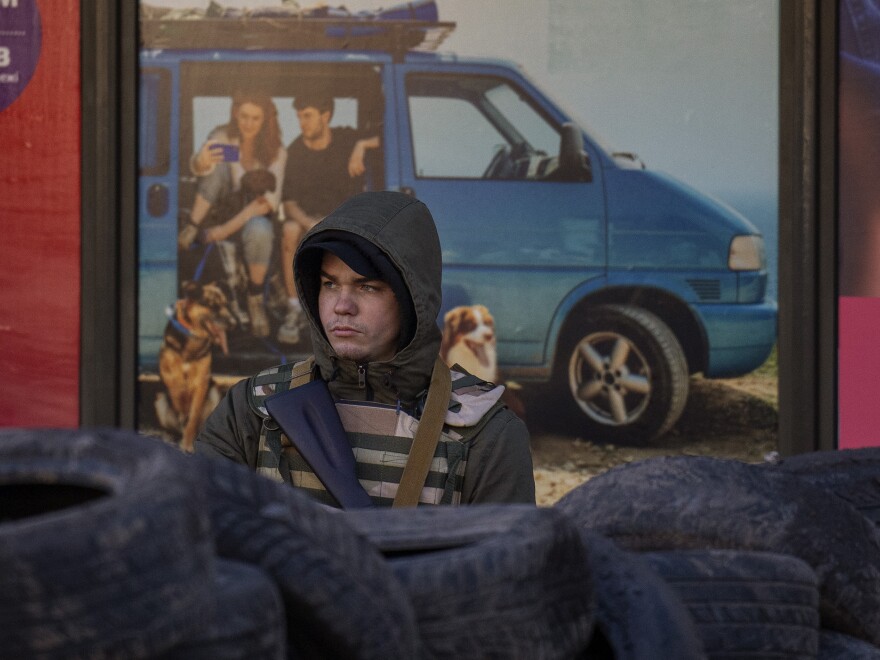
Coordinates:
[369,277]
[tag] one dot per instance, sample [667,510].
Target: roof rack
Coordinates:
[294,33]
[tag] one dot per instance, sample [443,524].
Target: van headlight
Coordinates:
[747,253]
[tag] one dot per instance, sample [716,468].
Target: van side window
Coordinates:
[155,122]
[476,127]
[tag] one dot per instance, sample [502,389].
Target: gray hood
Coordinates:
[403,229]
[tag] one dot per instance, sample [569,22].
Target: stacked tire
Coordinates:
[767,560]
[120,546]
[505,581]
[105,551]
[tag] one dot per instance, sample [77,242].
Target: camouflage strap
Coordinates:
[269,452]
[427,436]
[302,372]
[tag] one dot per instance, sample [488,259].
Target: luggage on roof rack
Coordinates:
[408,26]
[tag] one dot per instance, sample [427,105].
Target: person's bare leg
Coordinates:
[200,209]
[189,232]
[257,273]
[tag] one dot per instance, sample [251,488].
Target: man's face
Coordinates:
[360,316]
[312,123]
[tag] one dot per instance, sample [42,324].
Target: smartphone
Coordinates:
[230,152]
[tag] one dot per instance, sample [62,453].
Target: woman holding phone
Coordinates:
[251,140]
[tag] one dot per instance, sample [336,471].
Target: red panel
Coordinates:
[40,221]
[859,355]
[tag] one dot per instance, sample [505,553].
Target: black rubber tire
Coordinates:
[106,550]
[746,604]
[249,619]
[853,474]
[639,615]
[341,598]
[489,581]
[624,396]
[693,502]
[837,646]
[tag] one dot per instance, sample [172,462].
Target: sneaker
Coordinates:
[259,320]
[288,333]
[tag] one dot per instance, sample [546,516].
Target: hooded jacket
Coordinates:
[402,228]
[499,465]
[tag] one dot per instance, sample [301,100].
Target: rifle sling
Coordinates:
[427,436]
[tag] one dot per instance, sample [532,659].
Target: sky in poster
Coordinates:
[691,86]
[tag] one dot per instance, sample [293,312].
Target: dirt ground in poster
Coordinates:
[727,418]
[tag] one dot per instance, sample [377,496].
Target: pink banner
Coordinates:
[859,356]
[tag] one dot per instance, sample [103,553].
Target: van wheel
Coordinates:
[624,374]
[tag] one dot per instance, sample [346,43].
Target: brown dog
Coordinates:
[198,321]
[469,341]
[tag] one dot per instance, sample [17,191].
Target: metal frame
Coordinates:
[807,335]
[109,208]
[807,228]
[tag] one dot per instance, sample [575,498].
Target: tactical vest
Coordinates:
[380,435]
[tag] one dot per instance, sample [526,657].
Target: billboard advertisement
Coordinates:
[624,299]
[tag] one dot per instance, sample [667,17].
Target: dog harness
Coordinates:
[178,331]
[381,437]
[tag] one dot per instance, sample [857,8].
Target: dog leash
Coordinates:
[171,310]
[197,275]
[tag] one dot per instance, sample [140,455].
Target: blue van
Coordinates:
[608,281]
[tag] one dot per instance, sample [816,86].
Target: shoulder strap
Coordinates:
[302,372]
[427,436]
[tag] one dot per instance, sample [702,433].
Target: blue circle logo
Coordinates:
[20,39]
